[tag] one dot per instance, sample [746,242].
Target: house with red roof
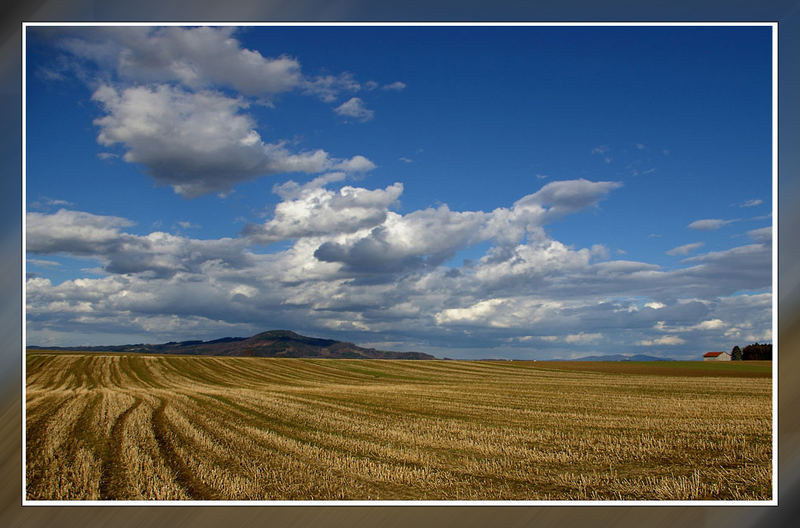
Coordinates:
[716,356]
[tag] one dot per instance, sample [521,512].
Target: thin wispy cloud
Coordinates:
[396,86]
[45,202]
[709,224]
[763,235]
[604,152]
[583,338]
[329,87]
[665,340]
[355,108]
[751,203]
[44,263]
[685,249]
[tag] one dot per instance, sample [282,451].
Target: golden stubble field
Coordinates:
[135,427]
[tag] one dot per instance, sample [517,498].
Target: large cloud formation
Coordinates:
[199,142]
[166,101]
[343,260]
[314,210]
[355,268]
[198,58]
[428,237]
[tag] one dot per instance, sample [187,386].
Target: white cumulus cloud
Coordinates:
[196,142]
[314,210]
[427,237]
[355,164]
[198,57]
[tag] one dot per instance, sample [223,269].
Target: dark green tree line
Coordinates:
[752,352]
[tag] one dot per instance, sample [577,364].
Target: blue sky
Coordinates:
[524,192]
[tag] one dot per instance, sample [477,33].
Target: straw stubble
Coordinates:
[136,427]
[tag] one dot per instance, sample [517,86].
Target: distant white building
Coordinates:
[716,356]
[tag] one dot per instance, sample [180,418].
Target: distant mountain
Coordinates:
[275,343]
[621,357]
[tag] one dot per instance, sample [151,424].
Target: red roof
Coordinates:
[713,354]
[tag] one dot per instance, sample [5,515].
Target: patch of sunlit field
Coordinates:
[147,427]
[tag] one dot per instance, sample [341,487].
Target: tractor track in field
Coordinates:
[112,470]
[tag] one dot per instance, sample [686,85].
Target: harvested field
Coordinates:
[135,427]
[737,369]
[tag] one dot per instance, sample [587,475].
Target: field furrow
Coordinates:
[113,472]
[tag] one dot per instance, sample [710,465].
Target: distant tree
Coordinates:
[756,351]
[736,353]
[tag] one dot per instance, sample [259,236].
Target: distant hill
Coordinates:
[275,343]
[621,357]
